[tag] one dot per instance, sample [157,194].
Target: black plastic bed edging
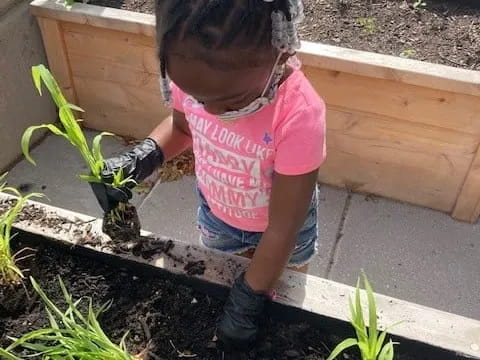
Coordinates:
[277,311]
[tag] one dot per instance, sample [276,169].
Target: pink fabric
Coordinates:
[234,162]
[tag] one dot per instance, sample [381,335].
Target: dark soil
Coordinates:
[443,31]
[174,317]
[124,228]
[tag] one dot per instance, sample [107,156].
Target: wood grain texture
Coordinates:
[397,159]
[54,42]
[406,102]
[467,207]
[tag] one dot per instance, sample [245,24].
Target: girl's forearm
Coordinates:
[171,137]
[269,261]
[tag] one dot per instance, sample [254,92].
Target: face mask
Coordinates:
[266,98]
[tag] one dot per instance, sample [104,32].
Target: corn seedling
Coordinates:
[369,340]
[408,53]
[10,273]
[368,25]
[71,131]
[71,334]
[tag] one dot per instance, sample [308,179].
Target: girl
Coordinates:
[257,128]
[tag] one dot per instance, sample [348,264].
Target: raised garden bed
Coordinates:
[171,293]
[399,128]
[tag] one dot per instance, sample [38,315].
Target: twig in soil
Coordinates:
[146,330]
[154,357]
[181,354]
[450,61]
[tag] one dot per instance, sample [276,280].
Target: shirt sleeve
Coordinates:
[300,141]
[178,97]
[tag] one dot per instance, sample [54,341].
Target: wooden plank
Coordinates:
[99,16]
[393,99]
[467,207]
[310,293]
[121,121]
[405,161]
[58,62]
[407,71]
[127,54]
[110,34]
[99,69]
[128,98]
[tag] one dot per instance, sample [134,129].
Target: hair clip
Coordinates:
[166,91]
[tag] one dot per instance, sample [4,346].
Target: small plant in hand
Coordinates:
[70,129]
[369,340]
[71,334]
[10,273]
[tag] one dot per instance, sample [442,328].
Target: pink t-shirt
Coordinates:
[234,161]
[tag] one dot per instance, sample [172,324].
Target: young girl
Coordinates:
[257,128]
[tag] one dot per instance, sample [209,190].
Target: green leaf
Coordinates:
[36,78]
[96,146]
[74,107]
[27,135]
[345,344]
[372,313]
[7,356]
[90,178]
[387,352]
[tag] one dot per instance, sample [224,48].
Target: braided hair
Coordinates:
[225,24]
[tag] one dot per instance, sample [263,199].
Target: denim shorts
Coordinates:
[216,234]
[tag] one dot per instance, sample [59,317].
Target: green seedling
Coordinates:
[71,131]
[69,3]
[10,273]
[419,4]
[71,334]
[368,25]
[408,53]
[369,340]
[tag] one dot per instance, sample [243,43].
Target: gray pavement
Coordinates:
[408,252]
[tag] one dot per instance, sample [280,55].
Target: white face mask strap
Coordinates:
[275,72]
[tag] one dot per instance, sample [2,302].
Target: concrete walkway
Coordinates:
[408,252]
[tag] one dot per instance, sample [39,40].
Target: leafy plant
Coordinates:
[71,334]
[69,2]
[10,273]
[368,24]
[419,4]
[369,340]
[71,131]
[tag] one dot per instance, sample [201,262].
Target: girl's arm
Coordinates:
[289,202]
[172,135]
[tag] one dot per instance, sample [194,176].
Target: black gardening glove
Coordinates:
[238,326]
[137,164]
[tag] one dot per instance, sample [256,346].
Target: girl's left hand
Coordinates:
[239,324]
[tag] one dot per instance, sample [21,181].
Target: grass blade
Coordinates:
[27,135]
[372,314]
[345,344]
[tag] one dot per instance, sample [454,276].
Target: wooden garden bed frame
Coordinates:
[315,295]
[399,128]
